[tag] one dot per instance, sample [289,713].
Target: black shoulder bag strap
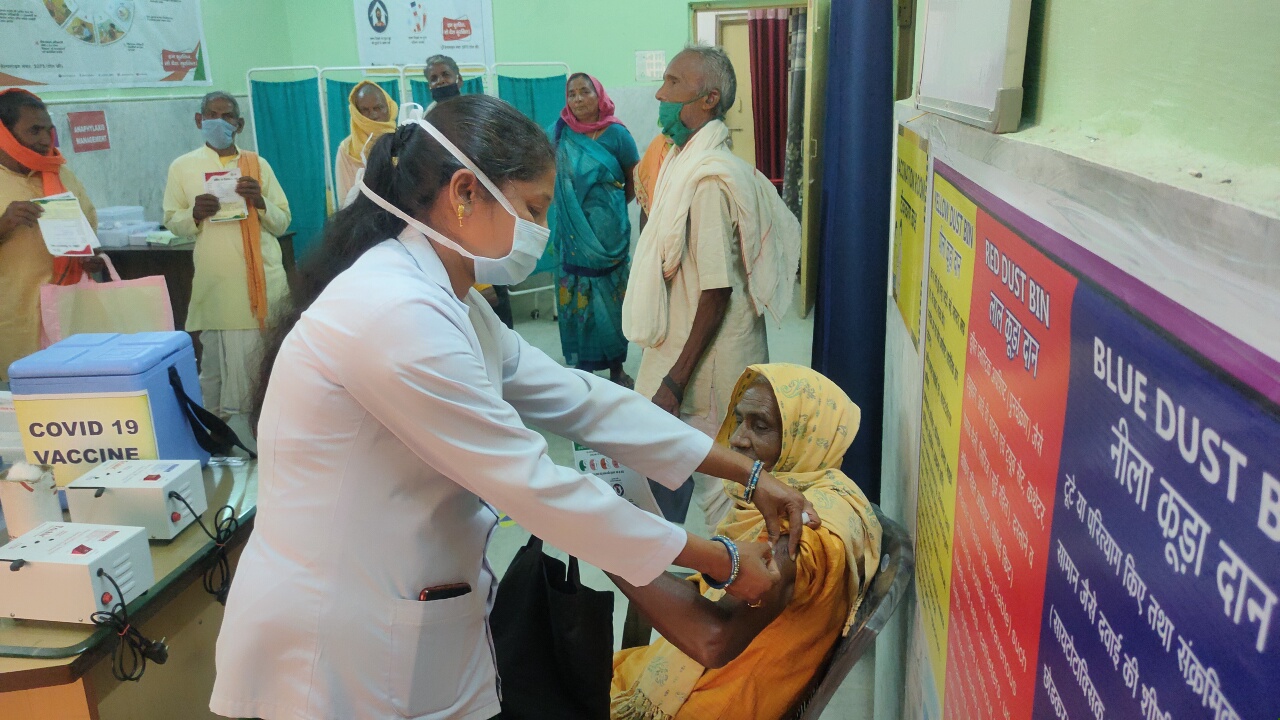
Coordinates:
[212,434]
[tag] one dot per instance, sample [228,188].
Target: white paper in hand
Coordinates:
[222,185]
[65,229]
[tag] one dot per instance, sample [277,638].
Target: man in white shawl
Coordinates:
[720,250]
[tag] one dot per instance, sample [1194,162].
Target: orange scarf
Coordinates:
[646,172]
[66,271]
[251,235]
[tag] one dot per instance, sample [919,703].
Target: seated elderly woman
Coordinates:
[719,657]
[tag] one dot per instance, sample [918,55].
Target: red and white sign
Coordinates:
[89,131]
[455,30]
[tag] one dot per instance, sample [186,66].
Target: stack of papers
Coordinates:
[65,229]
[222,185]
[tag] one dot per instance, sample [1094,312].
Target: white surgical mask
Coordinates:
[529,239]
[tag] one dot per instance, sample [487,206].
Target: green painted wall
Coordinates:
[322,32]
[596,36]
[1202,75]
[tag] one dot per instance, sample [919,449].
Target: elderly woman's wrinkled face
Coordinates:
[759,433]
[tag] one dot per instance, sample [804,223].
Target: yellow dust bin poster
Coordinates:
[909,226]
[951,258]
[73,433]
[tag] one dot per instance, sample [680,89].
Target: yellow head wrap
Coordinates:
[362,128]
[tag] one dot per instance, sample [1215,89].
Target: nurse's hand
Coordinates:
[757,572]
[778,501]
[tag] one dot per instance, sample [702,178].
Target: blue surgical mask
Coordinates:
[217,133]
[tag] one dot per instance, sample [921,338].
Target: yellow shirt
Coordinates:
[25,265]
[220,290]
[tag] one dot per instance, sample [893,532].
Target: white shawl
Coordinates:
[769,234]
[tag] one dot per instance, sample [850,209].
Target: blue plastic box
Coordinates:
[98,397]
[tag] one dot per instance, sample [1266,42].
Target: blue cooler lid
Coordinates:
[100,354]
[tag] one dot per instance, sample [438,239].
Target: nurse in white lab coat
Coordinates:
[397,411]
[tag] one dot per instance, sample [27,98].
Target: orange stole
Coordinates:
[251,236]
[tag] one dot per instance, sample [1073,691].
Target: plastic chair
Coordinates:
[897,564]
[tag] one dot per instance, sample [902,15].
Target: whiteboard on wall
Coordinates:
[974,51]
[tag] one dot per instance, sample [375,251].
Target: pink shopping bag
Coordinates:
[116,306]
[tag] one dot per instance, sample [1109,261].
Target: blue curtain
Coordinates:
[422,94]
[338,109]
[287,124]
[849,330]
[539,98]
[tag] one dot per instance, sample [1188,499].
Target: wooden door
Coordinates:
[733,35]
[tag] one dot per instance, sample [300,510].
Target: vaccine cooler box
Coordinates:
[95,398]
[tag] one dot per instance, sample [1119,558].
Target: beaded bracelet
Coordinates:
[733,555]
[751,484]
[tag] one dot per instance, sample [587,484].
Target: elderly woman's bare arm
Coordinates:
[713,633]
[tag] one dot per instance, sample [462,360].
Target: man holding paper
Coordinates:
[31,168]
[230,201]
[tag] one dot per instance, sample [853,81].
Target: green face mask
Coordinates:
[672,126]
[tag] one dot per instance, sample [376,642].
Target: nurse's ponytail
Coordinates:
[409,168]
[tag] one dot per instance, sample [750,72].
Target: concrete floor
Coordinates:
[790,343]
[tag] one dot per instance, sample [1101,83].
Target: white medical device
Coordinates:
[63,572]
[138,492]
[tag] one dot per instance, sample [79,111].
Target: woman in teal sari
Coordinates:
[590,229]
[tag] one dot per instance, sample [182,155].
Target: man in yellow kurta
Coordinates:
[373,113]
[27,156]
[239,282]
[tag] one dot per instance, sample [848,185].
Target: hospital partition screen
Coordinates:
[284,104]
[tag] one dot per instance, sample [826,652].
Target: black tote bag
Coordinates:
[554,640]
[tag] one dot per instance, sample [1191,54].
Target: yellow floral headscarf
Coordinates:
[362,128]
[819,422]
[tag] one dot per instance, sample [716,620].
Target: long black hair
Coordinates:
[409,168]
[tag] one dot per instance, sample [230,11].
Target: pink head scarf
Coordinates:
[606,119]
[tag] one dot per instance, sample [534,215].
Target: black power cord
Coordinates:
[134,649]
[217,577]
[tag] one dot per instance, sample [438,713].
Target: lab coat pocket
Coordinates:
[432,644]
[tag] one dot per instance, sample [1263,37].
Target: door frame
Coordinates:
[817,21]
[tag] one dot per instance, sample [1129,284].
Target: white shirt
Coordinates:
[393,409]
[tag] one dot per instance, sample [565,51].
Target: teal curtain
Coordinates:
[422,94]
[541,99]
[338,108]
[287,124]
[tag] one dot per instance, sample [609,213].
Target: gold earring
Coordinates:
[461,211]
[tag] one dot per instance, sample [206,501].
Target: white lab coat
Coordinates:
[393,409]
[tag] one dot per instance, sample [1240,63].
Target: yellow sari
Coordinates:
[833,570]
